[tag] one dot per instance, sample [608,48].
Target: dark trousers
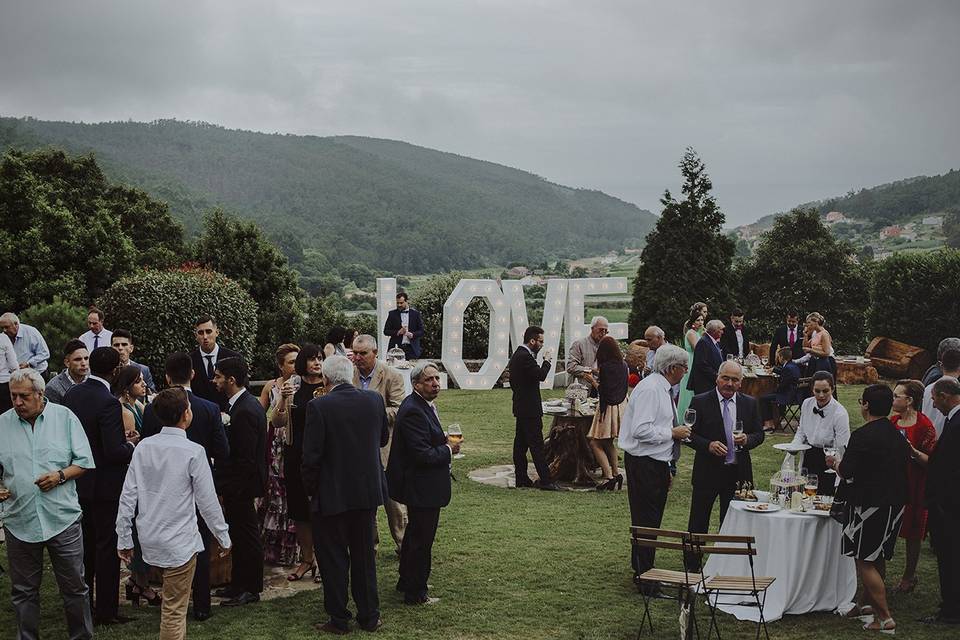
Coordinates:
[648,481]
[815,462]
[201,576]
[101,565]
[247,553]
[416,550]
[343,544]
[529,436]
[706,493]
[945,535]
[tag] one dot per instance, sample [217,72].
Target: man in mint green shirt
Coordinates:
[43,449]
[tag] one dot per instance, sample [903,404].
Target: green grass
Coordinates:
[521,564]
[611,314]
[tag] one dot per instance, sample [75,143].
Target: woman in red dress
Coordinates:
[919,431]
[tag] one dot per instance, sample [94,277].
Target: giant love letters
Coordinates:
[563,307]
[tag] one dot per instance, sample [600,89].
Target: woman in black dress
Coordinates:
[308,366]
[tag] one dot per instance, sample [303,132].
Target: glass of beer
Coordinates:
[455,435]
[810,486]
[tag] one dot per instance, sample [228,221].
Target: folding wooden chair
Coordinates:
[753,586]
[683,582]
[791,412]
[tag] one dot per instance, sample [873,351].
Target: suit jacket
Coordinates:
[341,451]
[780,339]
[414,325]
[875,464]
[787,388]
[943,469]
[728,341]
[525,378]
[389,384]
[201,384]
[706,363]
[102,419]
[419,471]
[708,468]
[243,474]
[206,429]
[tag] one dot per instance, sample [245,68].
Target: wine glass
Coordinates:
[294,380]
[764,360]
[689,418]
[830,451]
[738,431]
[455,435]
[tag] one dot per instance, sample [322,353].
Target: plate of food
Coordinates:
[790,447]
[761,507]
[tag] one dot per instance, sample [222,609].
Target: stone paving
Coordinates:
[502,476]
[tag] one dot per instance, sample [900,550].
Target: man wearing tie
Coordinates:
[205,358]
[788,335]
[736,340]
[707,357]
[98,335]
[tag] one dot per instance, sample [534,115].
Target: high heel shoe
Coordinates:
[297,576]
[619,480]
[134,592]
[606,485]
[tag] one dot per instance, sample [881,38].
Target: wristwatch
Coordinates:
[63,478]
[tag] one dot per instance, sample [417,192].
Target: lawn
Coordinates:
[520,564]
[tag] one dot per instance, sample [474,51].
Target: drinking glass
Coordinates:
[810,486]
[764,360]
[830,451]
[689,418]
[455,435]
[295,380]
[737,431]
[730,356]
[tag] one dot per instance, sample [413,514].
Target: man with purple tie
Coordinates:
[788,334]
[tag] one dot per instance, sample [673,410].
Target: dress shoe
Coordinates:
[422,600]
[550,486]
[373,626]
[330,627]
[524,484]
[200,616]
[118,619]
[244,598]
[226,592]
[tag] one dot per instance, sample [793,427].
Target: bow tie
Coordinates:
[819,412]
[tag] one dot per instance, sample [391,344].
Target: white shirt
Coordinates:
[168,480]
[833,428]
[740,351]
[405,321]
[937,418]
[953,412]
[234,398]
[103,339]
[8,358]
[101,381]
[733,405]
[647,425]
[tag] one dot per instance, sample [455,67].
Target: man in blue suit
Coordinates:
[99,489]
[404,326]
[418,475]
[707,358]
[206,429]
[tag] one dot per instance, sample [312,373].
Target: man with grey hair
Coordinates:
[935,372]
[650,437]
[343,476]
[654,337]
[949,367]
[582,359]
[374,375]
[707,356]
[28,344]
[45,443]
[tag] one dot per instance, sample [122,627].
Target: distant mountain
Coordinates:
[387,204]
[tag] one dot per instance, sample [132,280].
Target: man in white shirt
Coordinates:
[650,439]
[950,365]
[168,481]
[98,335]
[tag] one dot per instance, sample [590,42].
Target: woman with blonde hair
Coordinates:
[818,345]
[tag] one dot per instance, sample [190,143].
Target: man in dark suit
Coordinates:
[418,476]
[240,478]
[722,458]
[205,358]
[404,326]
[525,378]
[736,338]
[206,429]
[99,489]
[344,478]
[122,341]
[943,503]
[707,357]
[789,334]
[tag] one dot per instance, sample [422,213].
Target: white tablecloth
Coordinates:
[801,551]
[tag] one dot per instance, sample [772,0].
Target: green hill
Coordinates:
[386,204]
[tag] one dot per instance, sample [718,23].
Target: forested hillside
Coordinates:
[385,204]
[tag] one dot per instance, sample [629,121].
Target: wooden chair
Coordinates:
[753,586]
[684,583]
[791,412]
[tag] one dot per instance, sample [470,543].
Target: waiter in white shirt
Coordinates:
[824,424]
[650,439]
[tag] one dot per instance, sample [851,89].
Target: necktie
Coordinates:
[675,452]
[728,429]
[792,338]
[96,340]
[209,367]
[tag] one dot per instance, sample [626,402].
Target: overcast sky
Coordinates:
[785,102]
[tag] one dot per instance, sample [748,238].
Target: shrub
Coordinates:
[58,322]
[160,308]
[915,298]
[322,313]
[429,301]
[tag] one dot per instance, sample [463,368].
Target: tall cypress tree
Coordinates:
[686,259]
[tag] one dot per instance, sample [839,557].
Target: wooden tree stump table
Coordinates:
[853,370]
[567,450]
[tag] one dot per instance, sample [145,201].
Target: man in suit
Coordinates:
[206,429]
[205,358]
[707,357]
[99,489]
[789,334]
[419,477]
[736,339]
[98,335]
[240,478]
[525,378]
[722,458]
[374,375]
[122,341]
[404,326]
[343,476]
[943,503]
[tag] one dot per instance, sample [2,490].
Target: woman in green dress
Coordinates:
[692,330]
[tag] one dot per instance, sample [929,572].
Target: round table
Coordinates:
[801,551]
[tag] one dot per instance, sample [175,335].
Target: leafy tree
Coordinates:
[951,228]
[798,264]
[322,314]
[58,321]
[686,259]
[429,301]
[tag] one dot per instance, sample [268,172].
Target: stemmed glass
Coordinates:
[455,434]
[830,451]
[294,380]
[738,431]
[689,418]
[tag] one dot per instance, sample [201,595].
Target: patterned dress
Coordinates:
[278,531]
